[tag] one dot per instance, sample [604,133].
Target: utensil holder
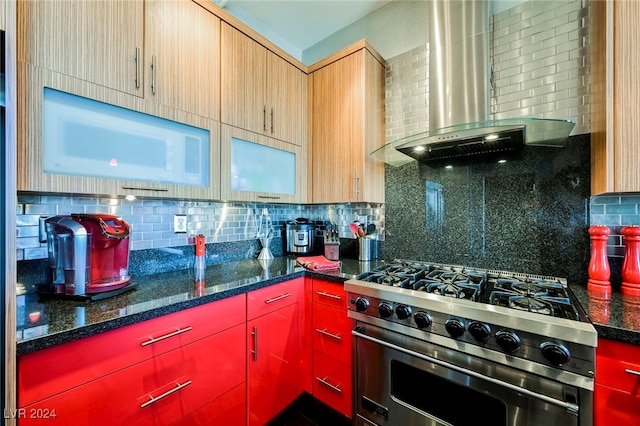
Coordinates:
[365,248]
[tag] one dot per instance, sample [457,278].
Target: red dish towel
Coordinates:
[318,263]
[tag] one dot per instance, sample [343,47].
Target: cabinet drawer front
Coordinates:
[228,409]
[331,294]
[332,383]
[618,365]
[157,391]
[269,299]
[331,332]
[615,407]
[81,361]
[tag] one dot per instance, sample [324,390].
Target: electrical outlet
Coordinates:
[180,223]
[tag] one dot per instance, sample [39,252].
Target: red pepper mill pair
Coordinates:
[599,271]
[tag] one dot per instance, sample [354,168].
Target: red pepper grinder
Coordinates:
[599,270]
[631,264]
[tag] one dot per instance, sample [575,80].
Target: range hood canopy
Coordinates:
[491,137]
[459,89]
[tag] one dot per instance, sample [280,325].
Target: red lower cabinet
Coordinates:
[273,359]
[158,391]
[331,343]
[617,390]
[229,409]
[332,383]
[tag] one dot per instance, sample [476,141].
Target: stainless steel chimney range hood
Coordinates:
[459,77]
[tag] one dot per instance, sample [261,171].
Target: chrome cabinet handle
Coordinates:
[271,120]
[275,299]
[357,186]
[326,333]
[324,382]
[154,67]
[264,118]
[635,373]
[166,336]
[269,197]
[138,64]
[332,296]
[167,393]
[140,188]
[254,333]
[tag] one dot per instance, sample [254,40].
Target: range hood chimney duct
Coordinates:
[458,62]
[459,96]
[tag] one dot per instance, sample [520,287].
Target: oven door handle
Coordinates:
[567,405]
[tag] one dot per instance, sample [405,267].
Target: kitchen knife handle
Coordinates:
[167,393]
[154,68]
[254,333]
[138,64]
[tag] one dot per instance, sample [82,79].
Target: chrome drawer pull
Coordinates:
[167,393]
[166,336]
[332,296]
[326,333]
[275,299]
[139,188]
[254,333]
[324,382]
[635,373]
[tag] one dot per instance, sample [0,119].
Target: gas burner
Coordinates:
[532,287]
[536,303]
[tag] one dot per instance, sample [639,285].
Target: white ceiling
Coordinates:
[302,23]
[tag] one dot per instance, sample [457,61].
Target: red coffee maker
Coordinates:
[88,253]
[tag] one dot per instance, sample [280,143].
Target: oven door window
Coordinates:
[444,399]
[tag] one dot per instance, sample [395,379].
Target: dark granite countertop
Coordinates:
[616,317]
[46,323]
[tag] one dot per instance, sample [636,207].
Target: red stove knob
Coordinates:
[480,331]
[385,310]
[454,327]
[555,353]
[403,312]
[508,340]
[362,304]
[422,319]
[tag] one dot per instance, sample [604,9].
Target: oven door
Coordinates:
[400,380]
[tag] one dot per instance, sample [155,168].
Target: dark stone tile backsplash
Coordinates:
[528,215]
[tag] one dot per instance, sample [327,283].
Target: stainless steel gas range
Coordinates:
[451,345]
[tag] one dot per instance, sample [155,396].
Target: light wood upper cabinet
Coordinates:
[615,96]
[94,41]
[182,56]
[260,91]
[164,50]
[347,98]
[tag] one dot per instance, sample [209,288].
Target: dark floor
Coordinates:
[308,411]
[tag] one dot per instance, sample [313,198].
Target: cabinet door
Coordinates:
[158,391]
[32,82]
[286,101]
[272,341]
[98,41]
[182,56]
[331,332]
[243,81]
[332,383]
[270,170]
[75,363]
[618,365]
[348,124]
[615,407]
